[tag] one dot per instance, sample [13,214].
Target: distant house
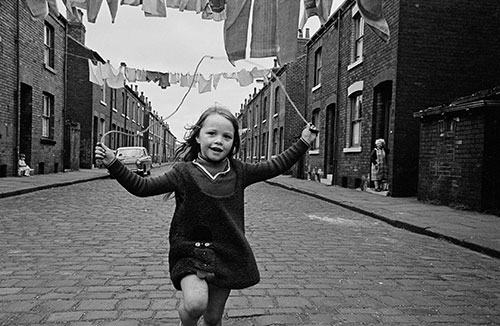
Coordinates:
[459,161]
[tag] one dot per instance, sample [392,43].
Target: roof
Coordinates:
[482,99]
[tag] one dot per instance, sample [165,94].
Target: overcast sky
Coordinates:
[172,44]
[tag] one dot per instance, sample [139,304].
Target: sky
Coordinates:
[173,44]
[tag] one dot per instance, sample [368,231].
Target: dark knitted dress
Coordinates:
[207,232]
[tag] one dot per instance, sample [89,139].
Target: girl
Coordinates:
[209,253]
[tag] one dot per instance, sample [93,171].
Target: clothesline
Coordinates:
[105,73]
[273,24]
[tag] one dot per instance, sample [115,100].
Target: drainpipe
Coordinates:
[18,90]
[65,101]
[337,109]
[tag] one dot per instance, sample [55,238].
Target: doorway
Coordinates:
[26,123]
[330,140]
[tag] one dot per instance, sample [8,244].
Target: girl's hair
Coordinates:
[190,148]
[381,141]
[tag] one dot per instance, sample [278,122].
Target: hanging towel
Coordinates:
[53,7]
[190,5]
[371,10]
[204,85]
[185,80]
[154,8]
[38,9]
[215,10]
[114,77]
[141,75]
[131,2]
[93,8]
[163,82]
[274,30]
[152,76]
[320,8]
[113,9]
[216,80]
[245,78]
[286,30]
[236,29]
[173,78]
[95,75]
[264,43]
[131,74]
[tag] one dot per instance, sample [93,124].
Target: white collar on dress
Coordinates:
[213,177]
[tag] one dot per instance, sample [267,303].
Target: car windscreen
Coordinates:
[128,152]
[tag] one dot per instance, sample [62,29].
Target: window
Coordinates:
[102,127]
[356,101]
[359,31]
[123,104]
[264,109]
[48,40]
[103,94]
[275,141]
[277,100]
[113,100]
[315,121]
[48,116]
[281,140]
[317,67]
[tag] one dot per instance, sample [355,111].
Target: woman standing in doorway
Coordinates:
[379,165]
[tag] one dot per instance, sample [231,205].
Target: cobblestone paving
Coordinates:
[91,254]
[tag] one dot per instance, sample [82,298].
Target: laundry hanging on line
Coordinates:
[104,73]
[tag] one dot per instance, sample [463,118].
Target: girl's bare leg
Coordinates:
[194,300]
[217,298]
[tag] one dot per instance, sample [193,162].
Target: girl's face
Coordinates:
[216,138]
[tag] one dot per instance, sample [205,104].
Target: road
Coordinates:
[92,254]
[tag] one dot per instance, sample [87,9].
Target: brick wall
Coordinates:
[8,102]
[45,156]
[451,161]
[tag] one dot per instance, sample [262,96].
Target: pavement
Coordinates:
[472,230]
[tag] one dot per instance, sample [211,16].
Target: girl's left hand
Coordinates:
[309,133]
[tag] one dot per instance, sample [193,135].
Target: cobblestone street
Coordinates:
[91,254]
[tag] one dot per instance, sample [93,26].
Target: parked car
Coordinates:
[136,159]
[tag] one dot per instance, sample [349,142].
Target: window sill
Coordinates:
[275,115]
[355,64]
[314,152]
[47,141]
[115,110]
[264,121]
[315,88]
[353,149]
[49,68]
[103,103]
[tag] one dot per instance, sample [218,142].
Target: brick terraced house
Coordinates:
[360,88]
[32,97]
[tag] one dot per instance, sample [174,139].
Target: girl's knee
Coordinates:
[195,306]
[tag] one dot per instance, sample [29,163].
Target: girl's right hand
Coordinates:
[104,153]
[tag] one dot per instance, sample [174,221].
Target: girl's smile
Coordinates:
[216,138]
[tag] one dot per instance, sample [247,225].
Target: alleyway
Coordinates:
[91,254]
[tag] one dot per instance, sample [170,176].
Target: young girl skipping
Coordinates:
[209,254]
